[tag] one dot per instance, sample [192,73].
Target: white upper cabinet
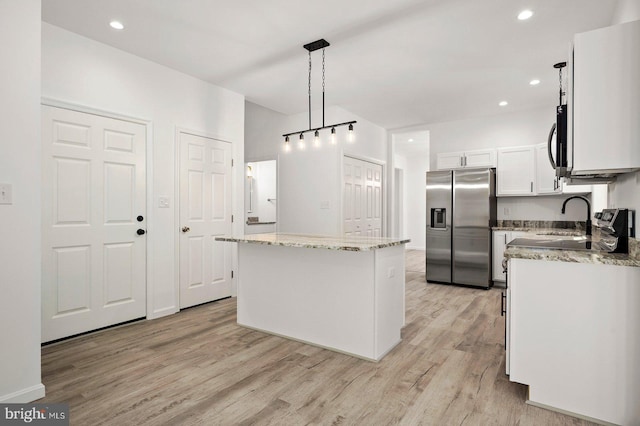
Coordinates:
[450,160]
[546,181]
[466,159]
[606,99]
[516,171]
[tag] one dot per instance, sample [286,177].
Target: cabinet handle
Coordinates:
[532,187]
[465,161]
[461,161]
[505,238]
[502,304]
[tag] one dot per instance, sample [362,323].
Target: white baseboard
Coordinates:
[411,247]
[24,396]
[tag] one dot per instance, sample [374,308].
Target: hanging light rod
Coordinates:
[312,47]
[320,128]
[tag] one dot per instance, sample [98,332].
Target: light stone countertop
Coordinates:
[602,258]
[573,256]
[353,243]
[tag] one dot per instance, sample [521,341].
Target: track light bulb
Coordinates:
[316,139]
[301,142]
[333,136]
[351,135]
[287,146]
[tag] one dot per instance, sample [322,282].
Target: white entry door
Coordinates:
[94,247]
[362,197]
[205,212]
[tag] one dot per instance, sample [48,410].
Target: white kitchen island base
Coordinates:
[348,301]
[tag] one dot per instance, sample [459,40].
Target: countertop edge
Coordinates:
[337,247]
[571,256]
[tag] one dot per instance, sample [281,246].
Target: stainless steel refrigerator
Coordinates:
[461,209]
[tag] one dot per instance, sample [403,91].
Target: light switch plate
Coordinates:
[163,202]
[6,193]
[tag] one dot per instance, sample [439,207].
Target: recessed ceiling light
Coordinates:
[410,140]
[503,103]
[116,25]
[534,82]
[525,14]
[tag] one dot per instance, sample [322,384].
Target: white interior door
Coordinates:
[205,212]
[94,247]
[362,194]
[373,199]
[352,193]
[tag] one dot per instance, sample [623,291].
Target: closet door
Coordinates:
[363,186]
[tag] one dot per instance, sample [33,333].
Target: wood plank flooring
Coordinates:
[199,367]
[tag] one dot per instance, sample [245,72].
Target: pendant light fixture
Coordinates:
[311,47]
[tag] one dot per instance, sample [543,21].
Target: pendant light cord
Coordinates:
[323,87]
[309,89]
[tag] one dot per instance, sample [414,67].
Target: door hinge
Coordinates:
[231,274]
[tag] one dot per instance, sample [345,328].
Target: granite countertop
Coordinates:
[352,243]
[602,258]
[574,256]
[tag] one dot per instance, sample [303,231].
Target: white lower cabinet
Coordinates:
[573,337]
[500,241]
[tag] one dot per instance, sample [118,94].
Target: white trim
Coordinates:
[149,270]
[176,207]
[24,396]
[568,413]
[91,110]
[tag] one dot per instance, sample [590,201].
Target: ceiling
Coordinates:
[396,63]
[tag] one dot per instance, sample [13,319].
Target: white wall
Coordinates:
[82,71]
[263,131]
[415,202]
[626,11]
[20,222]
[309,181]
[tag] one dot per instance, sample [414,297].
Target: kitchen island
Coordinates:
[341,293]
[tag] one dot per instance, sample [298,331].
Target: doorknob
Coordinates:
[140,232]
[140,218]
[186,229]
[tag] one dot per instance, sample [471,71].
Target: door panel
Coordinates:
[94,187]
[362,194]
[471,234]
[205,212]
[438,239]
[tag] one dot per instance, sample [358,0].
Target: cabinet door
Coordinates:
[516,171]
[450,160]
[480,158]
[546,182]
[499,245]
[606,99]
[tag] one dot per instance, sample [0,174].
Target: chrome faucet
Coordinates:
[588,225]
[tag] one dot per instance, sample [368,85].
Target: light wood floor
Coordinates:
[199,367]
